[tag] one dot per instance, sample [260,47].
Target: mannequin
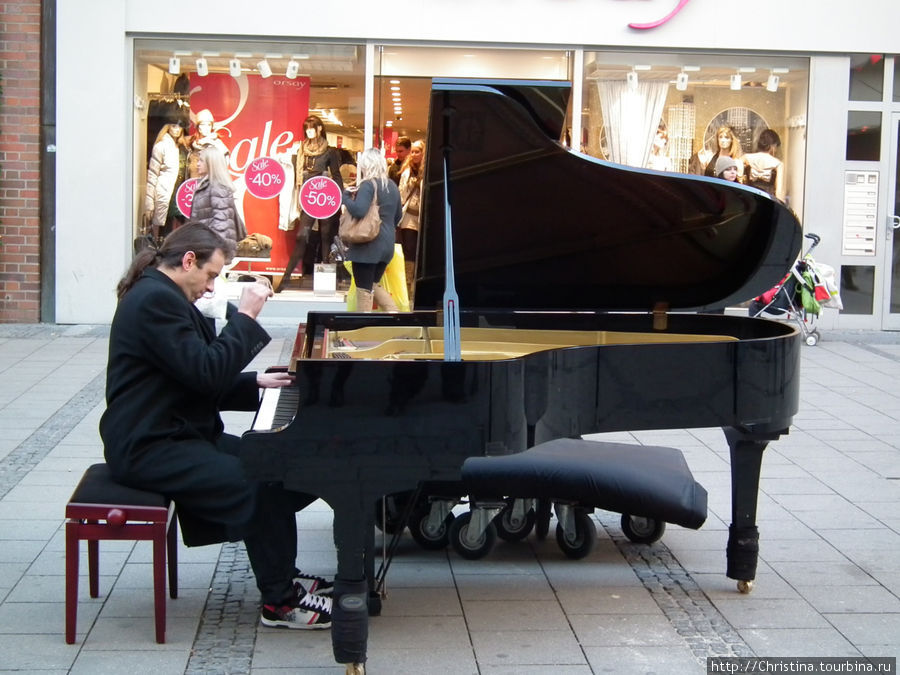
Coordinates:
[763,170]
[658,159]
[314,158]
[728,144]
[165,173]
[204,136]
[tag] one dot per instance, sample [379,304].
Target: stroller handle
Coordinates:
[815,241]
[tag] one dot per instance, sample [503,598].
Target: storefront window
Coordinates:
[249,100]
[676,113]
[403,80]
[863,135]
[866,77]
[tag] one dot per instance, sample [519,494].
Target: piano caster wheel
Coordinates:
[355,669]
[745,586]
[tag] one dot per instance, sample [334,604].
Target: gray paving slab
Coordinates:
[827,584]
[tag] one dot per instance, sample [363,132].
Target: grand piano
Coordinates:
[580,287]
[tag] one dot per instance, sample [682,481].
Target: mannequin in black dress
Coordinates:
[314,158]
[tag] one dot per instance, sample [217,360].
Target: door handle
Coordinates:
[893,224]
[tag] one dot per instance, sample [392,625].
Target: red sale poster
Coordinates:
[256,118]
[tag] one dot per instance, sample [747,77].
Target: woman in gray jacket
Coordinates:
[371,258]
[213,203]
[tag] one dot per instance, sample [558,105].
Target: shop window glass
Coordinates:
[866,77]
[665,111]
[863,135]
[857,289]
[248,99]
[897,79]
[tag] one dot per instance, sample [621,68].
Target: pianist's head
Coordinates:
[191,250]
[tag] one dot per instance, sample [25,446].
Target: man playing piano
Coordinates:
[168,377]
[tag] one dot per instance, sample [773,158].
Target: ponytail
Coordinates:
[192,237]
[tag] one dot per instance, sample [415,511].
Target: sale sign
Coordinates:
[320,197]
[184,196]
[259,119]
[264,178]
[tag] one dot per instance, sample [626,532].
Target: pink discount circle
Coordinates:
[184,197]
[264,178]
[320,197]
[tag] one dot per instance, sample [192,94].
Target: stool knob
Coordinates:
[116,517]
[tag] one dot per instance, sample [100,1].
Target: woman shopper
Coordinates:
[213,203]
[372,257]
[411,197]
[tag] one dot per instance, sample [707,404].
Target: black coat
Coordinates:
[169,375]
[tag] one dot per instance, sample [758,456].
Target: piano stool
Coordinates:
[512,494]
[101,509]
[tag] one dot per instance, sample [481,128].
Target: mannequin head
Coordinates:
[727,143]
[769,141]
[313,128]
[205,123]
[173,130]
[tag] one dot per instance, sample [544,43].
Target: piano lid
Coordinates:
[538,227]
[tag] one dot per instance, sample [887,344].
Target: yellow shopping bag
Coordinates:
[393,281]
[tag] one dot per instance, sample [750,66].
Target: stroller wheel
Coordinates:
[812,339]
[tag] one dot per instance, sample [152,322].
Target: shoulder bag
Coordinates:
[360,230]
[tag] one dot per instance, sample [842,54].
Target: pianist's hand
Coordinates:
[253,297]
[274,380]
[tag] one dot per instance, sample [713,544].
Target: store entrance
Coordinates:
[891,267]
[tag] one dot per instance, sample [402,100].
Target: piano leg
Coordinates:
[742,553]
[350,609]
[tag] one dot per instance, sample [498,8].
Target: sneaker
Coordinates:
[310,583]
[313,612]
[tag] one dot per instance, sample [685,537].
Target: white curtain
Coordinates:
[630,118]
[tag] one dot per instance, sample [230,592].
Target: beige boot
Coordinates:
[384,299]
[363,300]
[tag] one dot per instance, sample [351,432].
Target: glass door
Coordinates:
[891,268]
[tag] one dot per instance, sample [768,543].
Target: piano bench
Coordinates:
[101,509]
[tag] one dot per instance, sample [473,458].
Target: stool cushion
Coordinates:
[98,487]
[640,480]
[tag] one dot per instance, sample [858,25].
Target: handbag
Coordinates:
[360,230]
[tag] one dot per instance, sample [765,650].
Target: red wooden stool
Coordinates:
[129,514]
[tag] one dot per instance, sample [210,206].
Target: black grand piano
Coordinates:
[581,286]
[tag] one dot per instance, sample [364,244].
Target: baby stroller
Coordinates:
[801,295]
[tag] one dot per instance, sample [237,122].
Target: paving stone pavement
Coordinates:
[829,516]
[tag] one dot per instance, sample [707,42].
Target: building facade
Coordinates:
[653,82]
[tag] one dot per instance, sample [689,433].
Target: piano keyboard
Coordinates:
[276,409]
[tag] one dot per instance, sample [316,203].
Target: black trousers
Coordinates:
[217,502]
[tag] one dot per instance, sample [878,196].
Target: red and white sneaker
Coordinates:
[313,612]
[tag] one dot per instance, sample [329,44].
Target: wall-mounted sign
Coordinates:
[660,22]
[860,212]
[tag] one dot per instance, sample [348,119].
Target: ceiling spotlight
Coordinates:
[772,82]
[174,65]
[292,70]
[631,79]
[234,67]
[736,82]
[202,67]
[681,81]
[265,70]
